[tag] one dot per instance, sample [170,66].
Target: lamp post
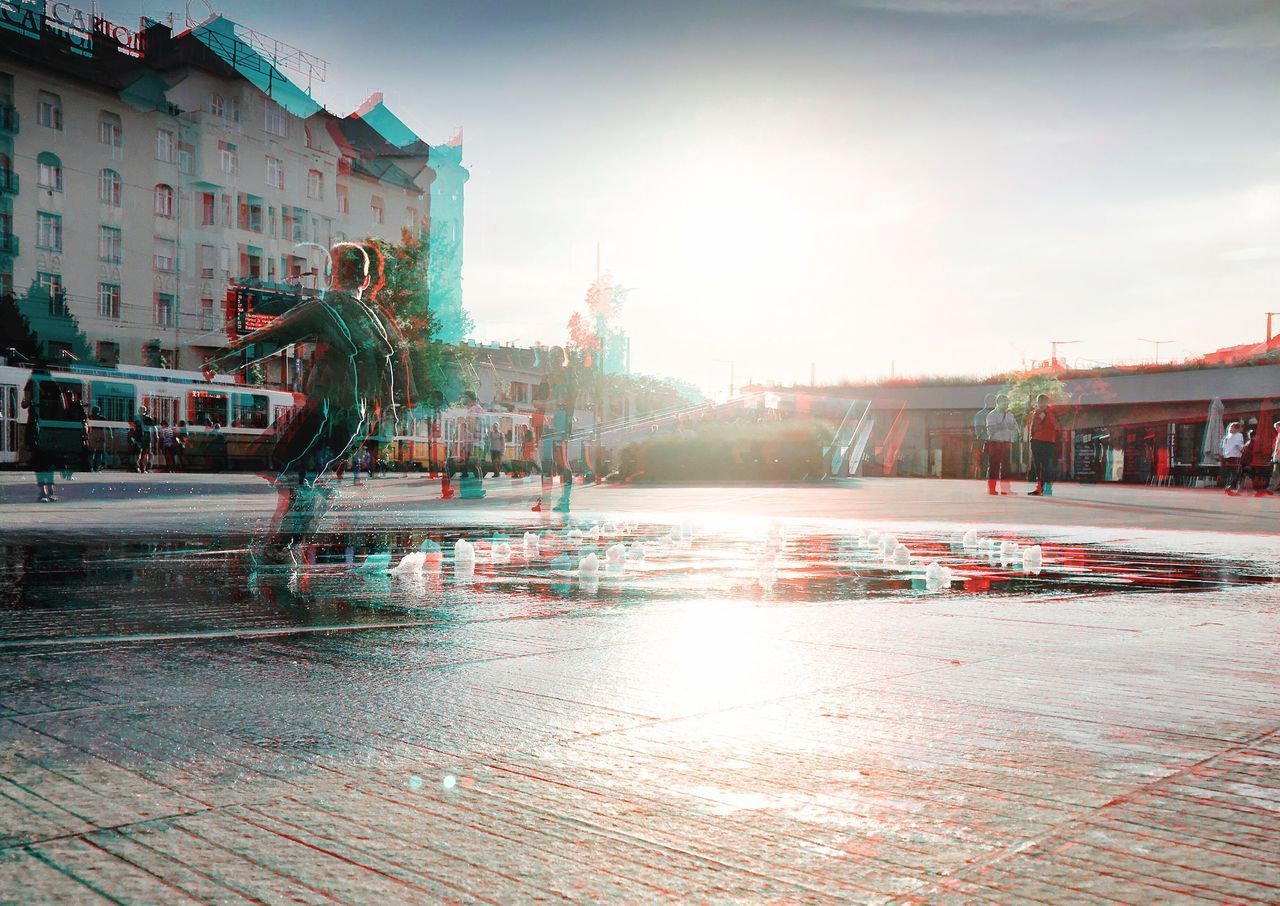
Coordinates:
[1159,343]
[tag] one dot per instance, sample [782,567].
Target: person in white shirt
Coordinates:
[1002,431]
[1232,448]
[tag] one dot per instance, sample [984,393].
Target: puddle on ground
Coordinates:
[57,588]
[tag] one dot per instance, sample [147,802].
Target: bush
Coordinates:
[734,451]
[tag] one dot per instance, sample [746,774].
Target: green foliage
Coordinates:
[1025,387]
[440,371]
[15,330]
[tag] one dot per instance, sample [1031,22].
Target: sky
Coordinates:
[852,187]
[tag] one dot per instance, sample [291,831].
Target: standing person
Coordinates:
[138,441]
[167,444]
[1274,483]
[1232,449]
[1002,431]
[42,460]
[980,433]
[559,394]
[1045,432]
[76,412]
[1246,462]
[497,446]
[97,452]
[180,445]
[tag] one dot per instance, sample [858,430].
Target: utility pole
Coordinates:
[1270,314]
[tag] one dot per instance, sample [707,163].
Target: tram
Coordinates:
[227,425]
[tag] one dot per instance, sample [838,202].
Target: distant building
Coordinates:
[145,174]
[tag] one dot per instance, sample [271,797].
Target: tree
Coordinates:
[15,330]
[1026,386]
[439,370]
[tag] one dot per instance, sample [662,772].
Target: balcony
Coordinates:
[9,119]
[8,182]
[8,244]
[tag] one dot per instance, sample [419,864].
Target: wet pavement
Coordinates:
[765,706]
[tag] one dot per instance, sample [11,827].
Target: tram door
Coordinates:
[9,423]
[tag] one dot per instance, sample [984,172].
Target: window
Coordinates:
[109,188]
[109,244]
[216,106]
[226,211]
[275,172]
[51,285]
[206,209]
[344,200]
[306,136]
[184,160]
[315,184]
[165,255]
[113,401]
[49,110]
[208,315]
[410,217]
[275,120]
[250,214]
[229,158]
[163,408]
[50,171]
[249,410]
[48,231]
[205,408]
[234,111]
[164,310]
[166,145]
[108,354]
[109,301]
[109,132]
[208,261]
[377,209]
[164,201]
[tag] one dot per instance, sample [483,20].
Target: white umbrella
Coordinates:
[1211,445]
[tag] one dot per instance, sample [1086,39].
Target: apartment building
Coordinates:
[146,176]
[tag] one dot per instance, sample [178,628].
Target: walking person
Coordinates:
[1045,432]
[1245,480]
[1002,431]
[42,459]
[980,434]
[168,445]
[1232,450]
[139,441]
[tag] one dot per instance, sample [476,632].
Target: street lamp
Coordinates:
[1053,349]
[1158,344]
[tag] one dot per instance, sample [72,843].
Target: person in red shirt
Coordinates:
[1045,432]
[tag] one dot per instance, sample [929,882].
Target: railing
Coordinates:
[8,118]
[8,181]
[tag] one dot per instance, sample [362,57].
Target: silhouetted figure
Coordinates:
[358,380]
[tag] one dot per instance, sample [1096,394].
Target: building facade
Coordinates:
[146,176]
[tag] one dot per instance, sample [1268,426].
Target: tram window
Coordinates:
[204,408]
[113,401]
[282,415]
[249,410]
[57,398]
[162,408]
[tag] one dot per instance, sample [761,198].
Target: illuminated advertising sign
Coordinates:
[35,17]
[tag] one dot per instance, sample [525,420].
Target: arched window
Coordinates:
[50,171]
[164,200]
[109,129]
[306,134]
[109,188]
